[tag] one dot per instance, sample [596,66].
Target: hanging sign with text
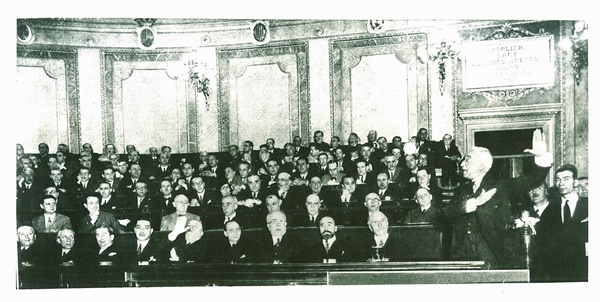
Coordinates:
[508,64]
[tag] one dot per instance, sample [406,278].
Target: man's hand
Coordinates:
[473,203]
[540,149]
[180,227]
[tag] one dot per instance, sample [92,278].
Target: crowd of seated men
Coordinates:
[374,184]
[77,194]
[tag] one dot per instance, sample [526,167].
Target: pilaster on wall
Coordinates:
[90,97]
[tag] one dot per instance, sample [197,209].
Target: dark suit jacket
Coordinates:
[28,199]
[151,250]
[288,250]
[302,219]
[340,250]
[158,173]
[105,218]
[244,251]
[432,215]
[391,249]
[126,184]
[564,244]
[32,255]
[60,222]
[148,204]
[216,220]
[441,152]
[112,204]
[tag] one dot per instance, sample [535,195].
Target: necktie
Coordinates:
[84,185]
[380,192]
[381,242]
[139,249]
[49,223]
[566,213]
[278,242]
[228,218]
[475,187]
[327,246]
[362,178]
[200,199]
[312,219]
[254,195]
[63,253]
[283,195]
[423,211]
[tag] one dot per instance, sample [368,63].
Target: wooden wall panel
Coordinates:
[48,100]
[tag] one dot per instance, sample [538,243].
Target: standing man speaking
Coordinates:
[483,209]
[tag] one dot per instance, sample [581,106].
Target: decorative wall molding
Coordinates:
[68,59]
[274,53]
[345,53]
[118,65]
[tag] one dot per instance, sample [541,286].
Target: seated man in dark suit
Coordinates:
[28,190]
[408,175]
[392,169]
[106,251]
[28,251]
[180,216]
[363,177]
[56,180]
[229,206]
[312,215]
[141,202]
[301,175]
[84,182]
[108,176]
[186,243]
[108,201]
[424,180]
[164,200]
[50,221]
[383,245]
[426,212]
[348,197]
[66,252]
[163,169]
[233,247]
[284,190]
[279,247]
[199,196]
[299,150]
[385,192]
[127,183]
[146,249]
[97,218]
[329,249]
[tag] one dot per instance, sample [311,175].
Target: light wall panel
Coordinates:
[263,104]
[47,110]
[263,92]
[383,104]
[379,83]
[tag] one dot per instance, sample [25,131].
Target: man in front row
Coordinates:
[382,244]
[106,250]
[279,247]
[186,243]
[28,250]
[67,252]
[146,249]
[329,249]
[233,247]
